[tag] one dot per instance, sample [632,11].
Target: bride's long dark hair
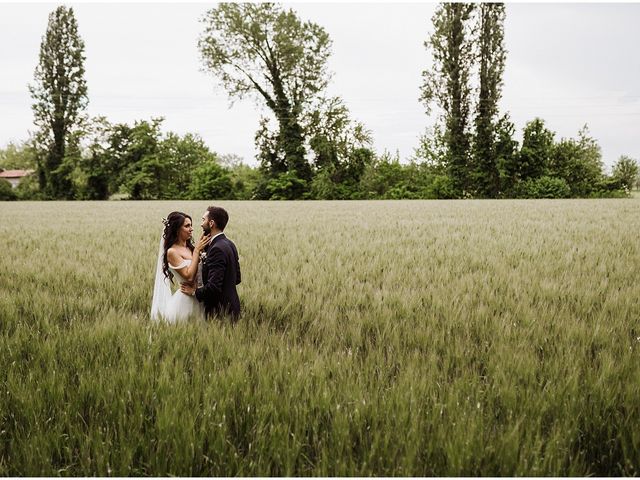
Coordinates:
[172,225]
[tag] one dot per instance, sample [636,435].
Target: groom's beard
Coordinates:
[206,230]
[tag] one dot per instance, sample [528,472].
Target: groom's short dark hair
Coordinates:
[218,215]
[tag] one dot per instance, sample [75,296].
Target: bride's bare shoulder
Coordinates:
[173,257]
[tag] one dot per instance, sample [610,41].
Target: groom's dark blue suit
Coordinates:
[220,275]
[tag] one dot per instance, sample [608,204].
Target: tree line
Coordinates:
[308,145]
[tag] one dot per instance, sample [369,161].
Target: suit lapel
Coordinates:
[214,241]
[211,244]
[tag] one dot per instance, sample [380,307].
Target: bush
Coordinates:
[443,188]
[28,188]
[286,186]
[210,180]
[323,187]
[544,187]
[245,180]
[6,190]
[399,192]
[625,171]
[610,187]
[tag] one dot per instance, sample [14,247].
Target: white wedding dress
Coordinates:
[173,307]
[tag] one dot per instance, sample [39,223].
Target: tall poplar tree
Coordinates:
[447,86]
[491,56]
[60,96]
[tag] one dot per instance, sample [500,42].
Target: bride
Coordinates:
[177,258]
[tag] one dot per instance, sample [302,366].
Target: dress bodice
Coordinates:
[184,263]
[179,306]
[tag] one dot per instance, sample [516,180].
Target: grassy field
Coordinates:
[379,338]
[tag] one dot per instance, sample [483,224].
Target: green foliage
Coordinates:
[442,187]
[6,191]
[94,176]
[275,160]
[95,182]
[70,169]
[625,171]
[487,163]
[536,169]
[341,153]
[383,175]
[18,156]
[60,96]
[21,156]
[137,160]
[491,57]
[343,181]
[506,151]
[270,154]
[267,52]
[28,188]
[286,186]
[536,151]
[146,178]
[429,160]
[590,169]
[432,149]
[332,133]
[544,187]
[387,178]
[146,172]
[447,85]
[324,187]
[579,163]
[244,177]
[183,155]
[211,181]
[565,160]
[341,148]
[609,187]
[245,181]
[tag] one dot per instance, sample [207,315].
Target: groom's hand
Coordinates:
[188,288]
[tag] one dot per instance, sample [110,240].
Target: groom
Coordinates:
[220,270]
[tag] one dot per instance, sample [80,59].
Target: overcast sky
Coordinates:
[569,64]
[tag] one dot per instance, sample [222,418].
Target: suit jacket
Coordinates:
[220,275]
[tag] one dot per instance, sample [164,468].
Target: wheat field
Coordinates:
[397,338]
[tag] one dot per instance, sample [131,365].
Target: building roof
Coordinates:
[15,173]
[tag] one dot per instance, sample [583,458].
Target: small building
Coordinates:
[15,176]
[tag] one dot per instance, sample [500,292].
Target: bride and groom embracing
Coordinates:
[207,272]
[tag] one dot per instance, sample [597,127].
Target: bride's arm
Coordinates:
[188,273]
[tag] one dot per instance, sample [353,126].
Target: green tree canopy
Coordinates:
[578,162]
[6,191]
[536,150]
[268,53]
[210,181]
[18,156]
[506,152]
[625,171]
